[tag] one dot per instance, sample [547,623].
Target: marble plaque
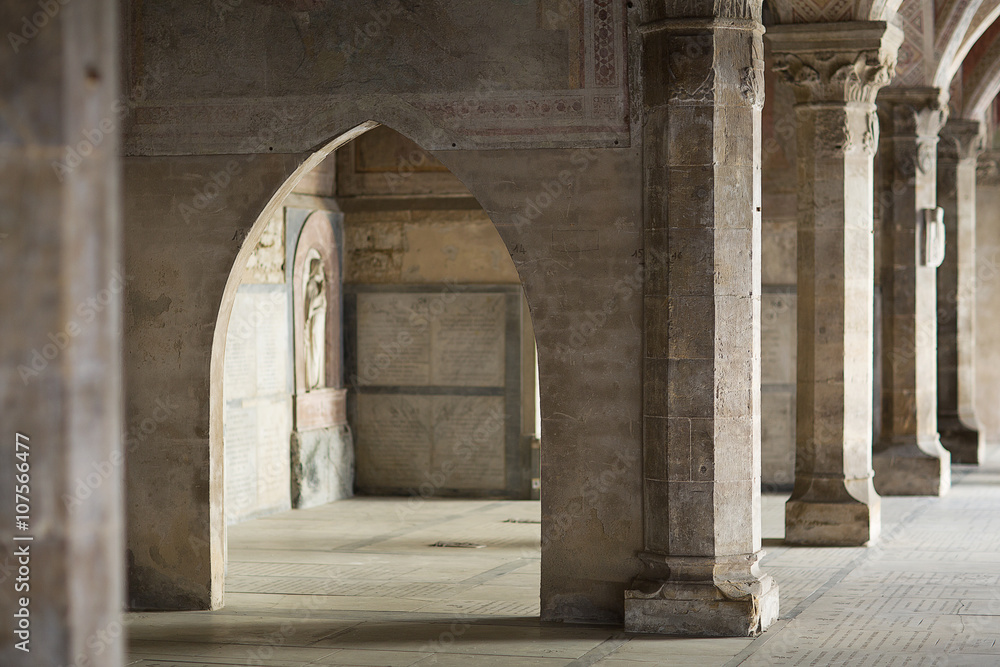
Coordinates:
[431,339]
[394,339]
[257,417]
[468,445]
[240,438]
[394,440]
[467,345]
[273,463]
[320,408]
[240,372]
[435,442]
[272,343]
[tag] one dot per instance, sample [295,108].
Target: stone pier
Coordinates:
[701,435]
[908,457]
[836,71]
[62,548]
[960,144]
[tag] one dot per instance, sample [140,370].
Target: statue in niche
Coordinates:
[314,335]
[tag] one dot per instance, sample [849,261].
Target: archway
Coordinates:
[439,351]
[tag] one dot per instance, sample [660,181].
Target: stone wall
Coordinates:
[546,148]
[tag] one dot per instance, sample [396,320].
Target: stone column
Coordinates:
[836,70]
[909,458]
[62,564]
[701,435]
[961,142]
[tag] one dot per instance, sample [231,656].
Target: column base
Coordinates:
[735,600]
[833,517]
[965,444]
[909,469]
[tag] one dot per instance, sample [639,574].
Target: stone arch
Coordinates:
[576,215]
[217,498]
[959,21]
[987,13]
[982,82]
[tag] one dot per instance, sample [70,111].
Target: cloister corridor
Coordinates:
[357,583]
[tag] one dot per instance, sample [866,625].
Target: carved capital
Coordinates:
[988,169]
[913,112]
[961,139]
[838,62]
[838,131]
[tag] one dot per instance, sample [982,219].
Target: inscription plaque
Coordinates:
[434,339]
[436,388]
[453,442]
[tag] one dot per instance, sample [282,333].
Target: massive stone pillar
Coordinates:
[701,434]
[836,71]
[61,536]
[960,144]
[909,458]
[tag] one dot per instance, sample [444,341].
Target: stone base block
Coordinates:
[965,444]
[322,466]
[833,524]
[909,470]
[700,610]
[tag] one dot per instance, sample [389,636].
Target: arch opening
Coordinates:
[429,379]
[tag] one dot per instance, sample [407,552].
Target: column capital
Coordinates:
[836,62]
[913,112]
[961,139]
[988,168]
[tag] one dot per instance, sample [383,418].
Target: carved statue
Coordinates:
[314,334]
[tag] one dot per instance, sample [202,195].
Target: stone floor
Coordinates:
[356,583]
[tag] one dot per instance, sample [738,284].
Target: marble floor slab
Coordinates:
[357,583]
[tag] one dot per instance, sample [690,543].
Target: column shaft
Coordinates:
[961,142]
[909,458]
[701,439]
[834,502]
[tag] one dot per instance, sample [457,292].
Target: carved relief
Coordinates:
[960,140]
[926,149]
[833,134]
[870,140]
[314,331]
[752,86]
[691,81]
[988,169]
[830,77]
[914,112]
